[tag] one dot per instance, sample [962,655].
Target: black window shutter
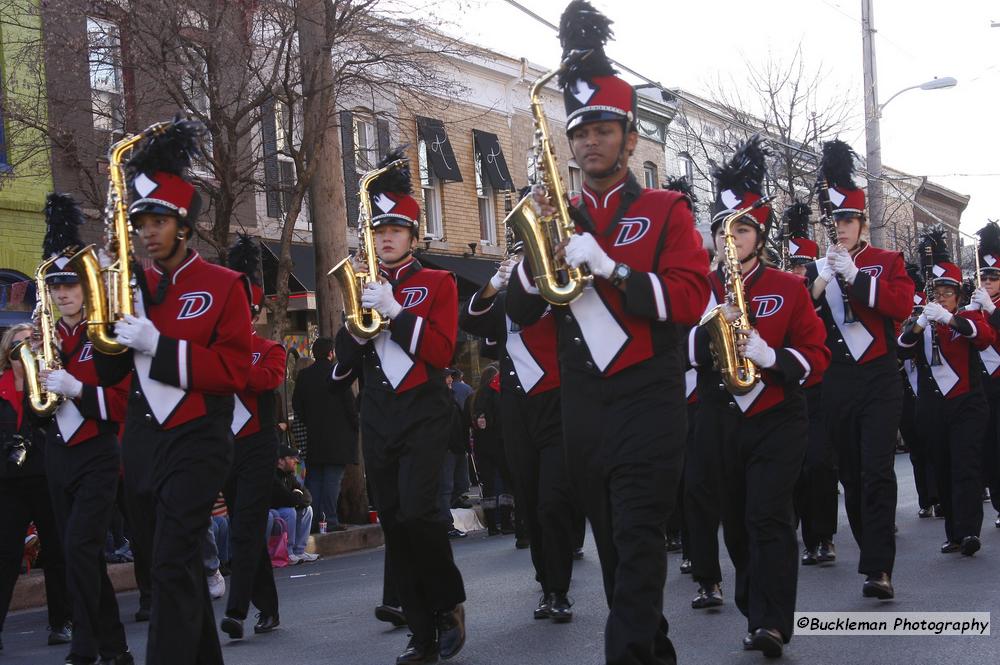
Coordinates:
[272,175]
[382,129]
[350,172]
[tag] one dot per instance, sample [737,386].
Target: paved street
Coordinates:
[327,609]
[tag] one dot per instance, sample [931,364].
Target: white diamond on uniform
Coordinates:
[792,247]
[990,259]
[938,271]
[836,198]
[583,92]
[144,185]
[384,203]
[730,200]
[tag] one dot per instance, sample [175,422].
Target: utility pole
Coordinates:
[873,139]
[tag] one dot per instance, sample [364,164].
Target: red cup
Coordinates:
[373,517]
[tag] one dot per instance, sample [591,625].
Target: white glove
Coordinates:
[758,351]
[981,298]
[937,313]
[582,249]
[827,274]
[138,333]
[502,276]
[61,382]
[378,296]
[842,263]
[922,321]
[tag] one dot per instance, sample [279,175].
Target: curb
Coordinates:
[29,591]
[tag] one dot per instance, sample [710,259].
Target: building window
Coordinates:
[575,178]
[532,167]
[106,89]
[365,144]
[652,129]
[649,175]
[431,188]
[487,206]
[687,166]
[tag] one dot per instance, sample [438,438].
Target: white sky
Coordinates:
[691,44]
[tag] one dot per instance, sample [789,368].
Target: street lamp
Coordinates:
[933,84]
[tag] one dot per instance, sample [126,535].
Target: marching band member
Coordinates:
[816,495]
[622,372]
[82,457]
[405,409]
[255,451]
[189,348]
[761,435]
[532,430]
[986,299]
[862,395]
[952,412]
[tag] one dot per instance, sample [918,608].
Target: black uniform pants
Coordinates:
[404,451]
[248,497]
[491,460]
[991,444]
[172,479]
[862,405]
[916,441]
[816,491]
[703,496]
[625,448]
[24,500]
[83,481]
[955,429]
[677,524]
[762,458]
[532,430]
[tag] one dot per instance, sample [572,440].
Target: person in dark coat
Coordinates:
[331,418]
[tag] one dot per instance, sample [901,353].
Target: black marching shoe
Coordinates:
[390,614]
[970,545]
[924,513]
[827,553]
[61,635]
[578,552]
[809,557]
[121,659]
[997,522]
[560,608]
[232,627]
[266,623]
[878,586]
[674,543]
[73,659]
[686,567]
[938,511]
[544,609]
[451,631]
[765,640]
[418,653]
[708,596]
[949,547]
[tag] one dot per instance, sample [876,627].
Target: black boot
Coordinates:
[827,553]
[490,513]
[506,519]
[418,652]
[878,586]
[451,631]
[560,608]
[544,609]
[709,595]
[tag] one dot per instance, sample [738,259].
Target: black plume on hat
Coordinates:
[838,164]
[171,151]
[913,270]
[797,216]
[397,180]
[63,218]
[681,184]
[583,28]
[935,240]
[244,257]
[989,239]
[745,170]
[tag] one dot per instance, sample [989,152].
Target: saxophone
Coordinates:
[42,403]
[361,322]
[739,375]
[557,282]
[109,292]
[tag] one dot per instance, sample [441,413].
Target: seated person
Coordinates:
[292,503]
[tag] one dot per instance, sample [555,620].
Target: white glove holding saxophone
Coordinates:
[936,313]
[842,262]
[982,298]
[139,333]
[378,296]
[61,382]
[499,280]
[756,350]
[583,248]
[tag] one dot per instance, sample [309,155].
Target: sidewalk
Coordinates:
[30,589]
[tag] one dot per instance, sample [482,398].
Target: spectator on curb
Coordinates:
[292,503]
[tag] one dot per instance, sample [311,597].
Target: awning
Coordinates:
[303,276]
[491,159]
[439,149]
[472,273]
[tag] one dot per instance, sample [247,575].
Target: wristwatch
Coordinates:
[620,273]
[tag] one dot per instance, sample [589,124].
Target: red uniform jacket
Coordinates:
[530,363]
[254,406]
[420,341]
[881,297]
[959,371]
[991,354]
[606,330]
[202,356]
[782,311]
[97,410]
